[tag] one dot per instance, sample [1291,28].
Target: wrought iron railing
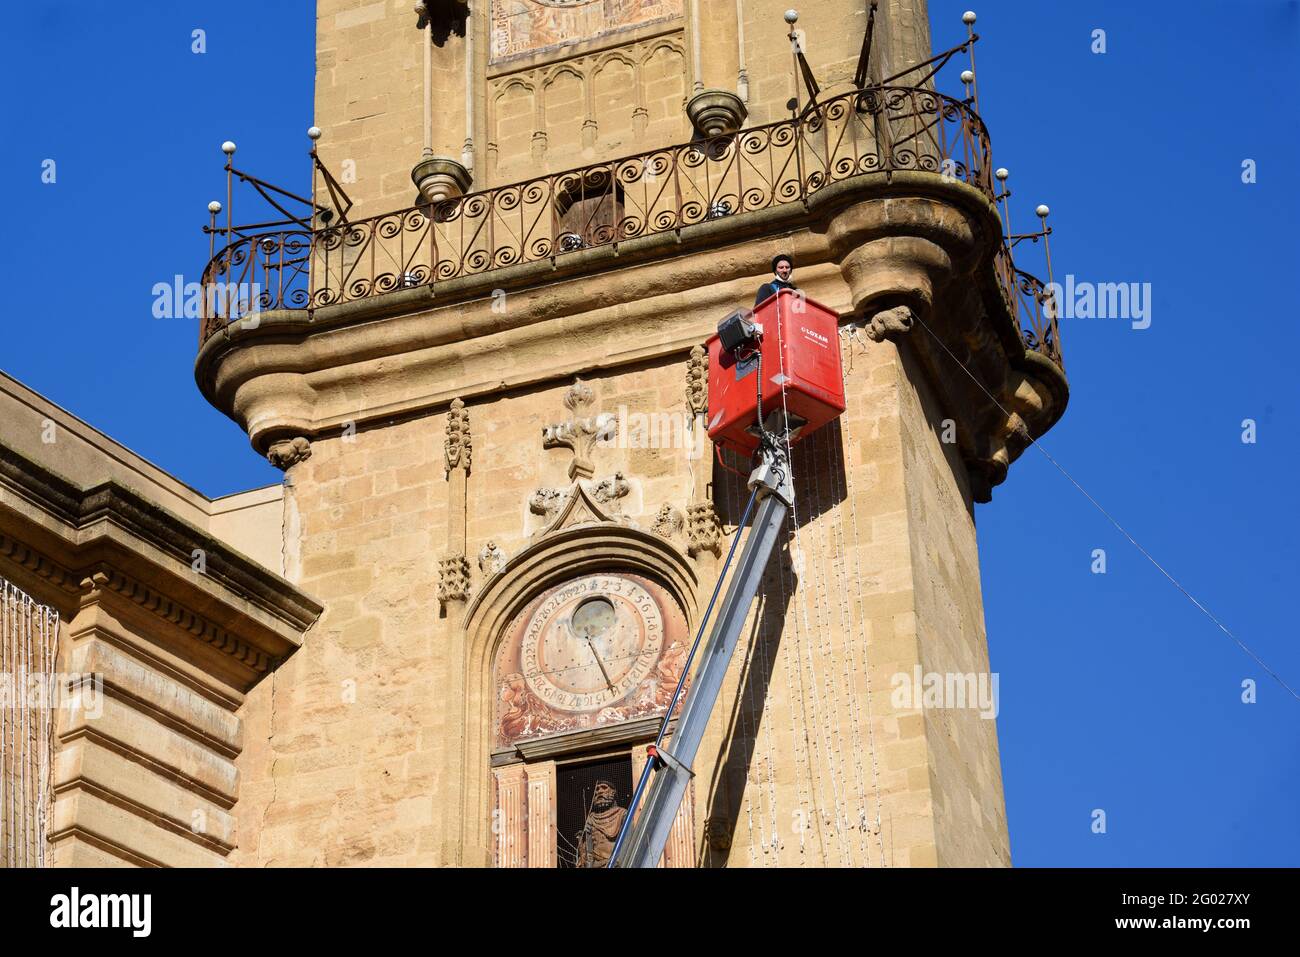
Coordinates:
[1031,302]
[876,130]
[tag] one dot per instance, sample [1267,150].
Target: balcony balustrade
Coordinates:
[876,131]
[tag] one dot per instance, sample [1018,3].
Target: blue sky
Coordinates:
[1116,692]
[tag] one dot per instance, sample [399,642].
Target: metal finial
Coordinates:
[1042,211]
[214,207]
[968,17]
[967,76]
[313,132]
[228,147]
[1002,173]
[791,16]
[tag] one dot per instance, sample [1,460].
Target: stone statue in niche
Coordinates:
[599,832]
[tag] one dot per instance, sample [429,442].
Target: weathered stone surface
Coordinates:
[370,740]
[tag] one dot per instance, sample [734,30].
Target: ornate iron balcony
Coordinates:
[883,129]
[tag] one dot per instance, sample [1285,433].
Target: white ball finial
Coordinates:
[967,77]
[228,147]
[791,16]
[1042,211]
[1002,173]
[313,133]
[968,17]
[214,207]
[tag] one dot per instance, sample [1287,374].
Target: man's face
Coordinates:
[783,270]
[604,796]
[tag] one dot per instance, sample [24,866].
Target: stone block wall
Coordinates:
[607,95]
[352,748]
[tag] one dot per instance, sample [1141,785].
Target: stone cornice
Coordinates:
[903,239]
[568,743]
[92,583]
[203,629]
[81,509]
[39,564]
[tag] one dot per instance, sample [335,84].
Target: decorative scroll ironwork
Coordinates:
[877,130]
[1031,303]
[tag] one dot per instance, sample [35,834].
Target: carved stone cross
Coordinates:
[580,433]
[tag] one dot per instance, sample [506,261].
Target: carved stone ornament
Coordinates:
[440,178]
[453,579]
[547,501]
[890,324]
[458,446]
[668,522]
[491,559]
[715,112]
[577,507]
[609,489]
[697,381]
[579,433]
[703,530]
[287,453]
[717,831]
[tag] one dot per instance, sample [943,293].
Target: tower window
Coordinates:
[585,814]
[589,209]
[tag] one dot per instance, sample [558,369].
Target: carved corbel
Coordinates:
[890,324]
[287,453]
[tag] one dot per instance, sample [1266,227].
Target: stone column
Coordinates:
[541,814]
[510,820]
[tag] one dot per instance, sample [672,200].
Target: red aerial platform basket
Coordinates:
[800,348]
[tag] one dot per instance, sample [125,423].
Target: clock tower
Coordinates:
[481,369]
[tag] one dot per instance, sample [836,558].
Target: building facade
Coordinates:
[479,364]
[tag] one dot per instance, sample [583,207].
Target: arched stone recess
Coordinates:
[516,118]
[616,98]
[663,78]
[564,104]
[582,540]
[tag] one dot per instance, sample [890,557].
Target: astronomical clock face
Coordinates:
[596,649]
[592,643]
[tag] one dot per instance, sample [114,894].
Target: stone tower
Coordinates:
[484,383]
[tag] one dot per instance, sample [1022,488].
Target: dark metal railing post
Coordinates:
[1043,212]
[228,147]
[968,18]
[313,133]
